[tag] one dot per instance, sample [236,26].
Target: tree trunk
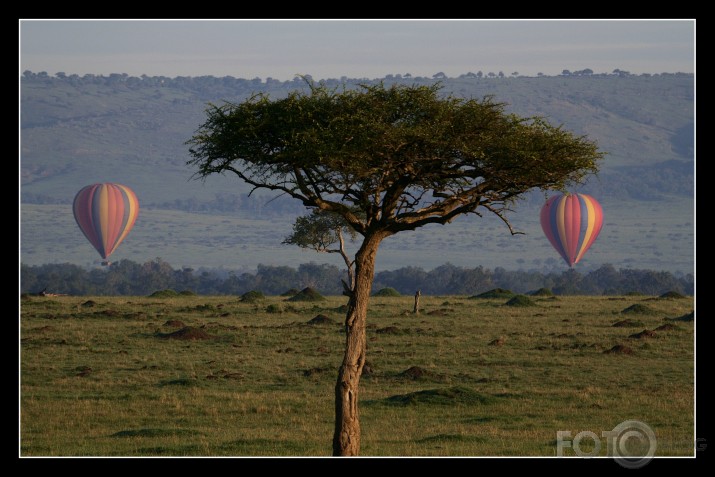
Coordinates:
[346,439]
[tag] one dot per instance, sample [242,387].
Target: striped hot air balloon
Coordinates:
[105,213]
[571,222]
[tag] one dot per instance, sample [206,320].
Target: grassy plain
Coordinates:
[643,235]
[468,377]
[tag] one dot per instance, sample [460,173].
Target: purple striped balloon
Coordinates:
[105,213]
[571,222]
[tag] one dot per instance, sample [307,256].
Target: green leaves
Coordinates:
[383,150]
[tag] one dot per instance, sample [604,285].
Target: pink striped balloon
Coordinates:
[571,222]
[105,213]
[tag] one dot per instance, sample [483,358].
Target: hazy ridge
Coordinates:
[80,130]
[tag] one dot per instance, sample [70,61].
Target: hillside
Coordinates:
[80,130]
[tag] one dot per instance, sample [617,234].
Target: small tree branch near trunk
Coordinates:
[346,258]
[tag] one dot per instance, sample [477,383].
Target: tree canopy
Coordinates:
[403,155]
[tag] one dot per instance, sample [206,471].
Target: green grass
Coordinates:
[99,381]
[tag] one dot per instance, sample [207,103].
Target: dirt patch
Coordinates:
[643,335]
[446,396]
[520,300]
[671,295]
[541,292]
[387,291]
[307,294]
[186,333]
[106,313]
[252,296]
[415,372]
[565,335]
[314,372]
[687,317]
[178,382]
[89,304]
[666,327]
[638,309]
[619,349]
[83,371]
[440,312]
[498,342]
[495,293]
[628,323]
[155,433]
[174,323]
[135,315]
[220,326]
[168,293]
[321,320]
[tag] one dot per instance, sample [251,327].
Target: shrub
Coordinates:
[495,293]
[168,293]
[307,294]
[252,296]
[541,292]
[387,291]
[637,309]
[520,300]
[671,295]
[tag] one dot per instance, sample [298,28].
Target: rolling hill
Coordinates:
[80,130]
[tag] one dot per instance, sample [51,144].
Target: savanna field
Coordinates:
[221,376]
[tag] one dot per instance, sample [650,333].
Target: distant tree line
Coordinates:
[210,87]
[129,278]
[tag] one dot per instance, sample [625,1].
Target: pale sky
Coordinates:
[354,48]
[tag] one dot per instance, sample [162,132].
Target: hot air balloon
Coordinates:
[571,222]
[105,213]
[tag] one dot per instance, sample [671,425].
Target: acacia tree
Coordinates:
[403,156]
